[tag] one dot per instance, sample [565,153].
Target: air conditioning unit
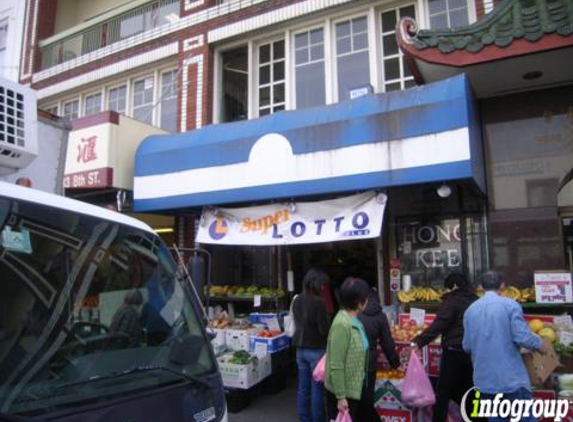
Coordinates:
[18,126]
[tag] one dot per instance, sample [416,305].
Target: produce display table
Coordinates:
[252,358]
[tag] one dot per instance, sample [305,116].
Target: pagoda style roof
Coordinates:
[513,28]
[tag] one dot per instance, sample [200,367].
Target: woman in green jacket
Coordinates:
[346,353]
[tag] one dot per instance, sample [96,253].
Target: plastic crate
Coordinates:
[238,400]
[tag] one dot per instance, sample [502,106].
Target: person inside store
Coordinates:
[456,369]
[378,332]
[312,325]
[494,332]
[346,363]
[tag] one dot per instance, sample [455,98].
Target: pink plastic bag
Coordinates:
[318,373]
[342,417]
[416,389]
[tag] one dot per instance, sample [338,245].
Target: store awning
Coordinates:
[420,135]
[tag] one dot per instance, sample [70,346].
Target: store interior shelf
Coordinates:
[241,299]
[527,305]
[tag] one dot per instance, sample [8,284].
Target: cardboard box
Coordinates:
[239,339]
[264,367]
[263,317]
[220,339]
[540,366]
[238,376]
[273,344]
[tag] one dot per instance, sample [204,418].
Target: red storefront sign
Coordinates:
[98,178]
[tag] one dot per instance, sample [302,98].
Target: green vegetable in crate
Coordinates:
[562,349]
[242,358]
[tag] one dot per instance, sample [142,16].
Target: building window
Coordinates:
[448,13]
[309,68]
[143,100]
[271,73]
[397,74]
[352,61]
[52,109]
[169,88]
[235,84]
[92,104]
[117,99]
[71,109]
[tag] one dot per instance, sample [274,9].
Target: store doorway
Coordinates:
[339,260]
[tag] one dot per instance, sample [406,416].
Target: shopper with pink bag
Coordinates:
[346,362]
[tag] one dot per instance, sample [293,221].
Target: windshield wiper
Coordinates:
[136,369]
[5,417]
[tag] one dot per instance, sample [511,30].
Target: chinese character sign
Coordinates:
[87,150]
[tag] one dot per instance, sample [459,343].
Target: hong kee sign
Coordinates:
[355,217]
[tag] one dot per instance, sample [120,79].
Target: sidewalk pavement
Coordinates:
[279,407]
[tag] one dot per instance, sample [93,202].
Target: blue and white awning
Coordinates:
[423,134]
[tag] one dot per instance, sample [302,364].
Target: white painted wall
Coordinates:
[47,170]
[13,10]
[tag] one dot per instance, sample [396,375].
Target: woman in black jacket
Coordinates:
[456,370]
[378,332]
[312,326]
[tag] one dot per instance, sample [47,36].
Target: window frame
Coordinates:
[293,68]
[256,65]
[50,107]
[175,72]
[69,101]
[85,102]
[110,88]
[471,13]
[365,13]
[383,81]
[133,107]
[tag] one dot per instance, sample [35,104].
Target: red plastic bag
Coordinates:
[342,417]
[416,389]
[318,373]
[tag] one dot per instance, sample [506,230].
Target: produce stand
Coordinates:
[253,356]
[387,391]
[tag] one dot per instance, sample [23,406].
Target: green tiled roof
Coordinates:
[509,21]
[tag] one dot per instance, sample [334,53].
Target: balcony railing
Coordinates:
[102,34]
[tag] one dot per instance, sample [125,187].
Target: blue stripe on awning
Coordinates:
[437,173]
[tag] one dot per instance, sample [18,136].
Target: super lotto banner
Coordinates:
[354,217]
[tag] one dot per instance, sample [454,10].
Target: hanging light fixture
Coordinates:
[444,191]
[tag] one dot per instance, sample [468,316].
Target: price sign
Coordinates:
[553,287]
[563,320]
[566,338]
[418,315]
[273,324]
[261,349]
[257,301]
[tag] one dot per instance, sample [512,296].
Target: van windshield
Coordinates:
[89,309]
